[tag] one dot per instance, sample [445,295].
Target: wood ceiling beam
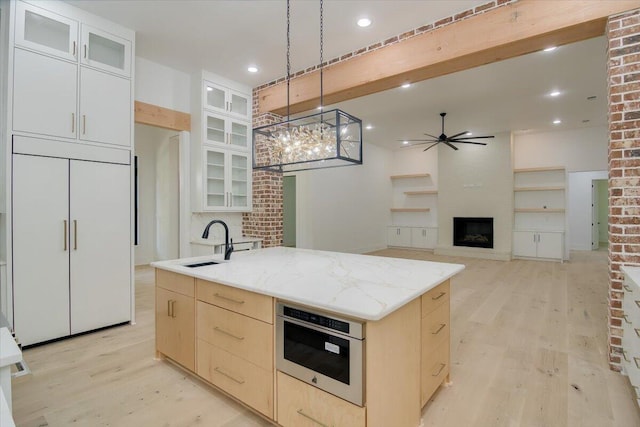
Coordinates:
[155,115]
[505,32]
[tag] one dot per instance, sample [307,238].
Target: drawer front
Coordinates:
[236,333]
[243,380]
[175,282]
[435,369]
[302,405]
[435,297]
[244,302]
[435,329]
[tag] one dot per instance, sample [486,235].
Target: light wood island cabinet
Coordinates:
[231,346]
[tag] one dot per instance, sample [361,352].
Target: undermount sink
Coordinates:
[201,264]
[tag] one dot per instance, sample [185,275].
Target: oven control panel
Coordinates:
[316,319]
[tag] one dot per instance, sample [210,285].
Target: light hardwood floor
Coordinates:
[528,348]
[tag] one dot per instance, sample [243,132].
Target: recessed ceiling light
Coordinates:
[554,93]
[368,127]
[364,22]
[252,69]
[406,85]
[405,142]
[557,121]
[550,49]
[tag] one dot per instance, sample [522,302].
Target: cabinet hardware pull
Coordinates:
[169,308]
[637,361]
[624,355]
[442,325]
[627,288]
[626,319]
[85,51]
[637,332]
[439,296]
[173,308]
[84,124]
[75,234]
[228,298]
[442,366]
[65,235]
[73,122]
[309,417]
[222,331]
[74,48]
[231,377]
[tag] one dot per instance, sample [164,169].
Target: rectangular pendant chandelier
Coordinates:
[323,140]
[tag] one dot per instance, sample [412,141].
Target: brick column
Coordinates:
[265,219]
[623,65]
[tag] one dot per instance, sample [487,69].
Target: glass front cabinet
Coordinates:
[227,180]
[221,99]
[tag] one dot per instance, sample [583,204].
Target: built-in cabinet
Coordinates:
[71,260]
[412,237]
[631,328]
[539,212]
[68,142]
[222,145]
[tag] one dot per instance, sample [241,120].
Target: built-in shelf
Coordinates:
[549,188]
[544,169]
[414,175]
[538,210]
[410,209]
[419,193]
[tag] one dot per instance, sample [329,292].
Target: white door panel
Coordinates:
[100,245]
[550,245]
[40,245]
[524,243]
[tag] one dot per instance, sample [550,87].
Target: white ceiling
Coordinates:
[225,37]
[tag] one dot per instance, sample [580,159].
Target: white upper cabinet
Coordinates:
[227,181]
[46,31]
[105,51]
[44,102]
[225,131]
[224,100]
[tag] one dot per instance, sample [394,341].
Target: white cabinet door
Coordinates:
[215,97]
[239,104]
[418,237]
[549,245]
[399,236]
[215,191]
[226,132]
[100,238]
[524,243]
[40,248]
[432,238]
[239,134]
[239,181]
[46,31]
[105,51]
[224,100]
[105,108]
[44,95]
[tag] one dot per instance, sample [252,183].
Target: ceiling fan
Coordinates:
[457,138]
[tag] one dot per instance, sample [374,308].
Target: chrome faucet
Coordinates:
[228,247]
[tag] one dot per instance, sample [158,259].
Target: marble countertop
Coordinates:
[211,242]
[9,351]
[361,286]
[632,272]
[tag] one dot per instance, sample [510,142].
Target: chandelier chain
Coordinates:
[321,53]
[288,55]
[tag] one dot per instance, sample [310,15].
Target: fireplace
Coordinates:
[473,232]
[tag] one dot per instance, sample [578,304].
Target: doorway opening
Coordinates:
[289,211]
[600,214]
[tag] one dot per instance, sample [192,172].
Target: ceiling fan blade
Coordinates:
[417,143]
[432,145]
[476,137]
[457,141]
[457,134]
[434,137]
[451,145]
[418,140]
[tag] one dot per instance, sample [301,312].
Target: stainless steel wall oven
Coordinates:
[322,350]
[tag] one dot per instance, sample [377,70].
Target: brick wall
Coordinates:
[623,66]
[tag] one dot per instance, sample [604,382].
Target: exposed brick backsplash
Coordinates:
[623,66]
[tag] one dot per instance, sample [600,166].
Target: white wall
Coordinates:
[577,150]
[580,212]
[476,181]
[160,85]
[346,209]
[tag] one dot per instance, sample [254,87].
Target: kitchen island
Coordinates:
[217,321]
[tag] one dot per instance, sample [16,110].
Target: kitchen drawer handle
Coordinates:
[637,361]
[624,316]
[222,331]
[309,417]
[442,366]
[231,377]
[442,325]
[628,289]
[624,355]
[237,301]
[171,308]
[439,296]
